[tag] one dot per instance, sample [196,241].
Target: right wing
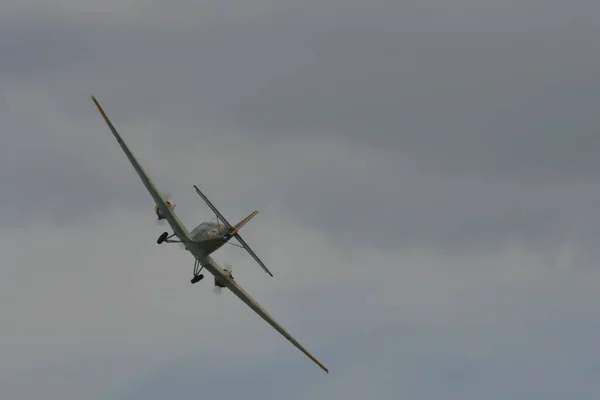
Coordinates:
[245,297]
[165,210]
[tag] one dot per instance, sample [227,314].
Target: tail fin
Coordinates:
[243,222]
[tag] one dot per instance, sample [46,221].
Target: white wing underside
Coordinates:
[236,289]
[177,226]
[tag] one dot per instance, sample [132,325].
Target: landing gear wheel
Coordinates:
[197,278]
[162,237]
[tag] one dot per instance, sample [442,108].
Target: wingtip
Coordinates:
[319,364]
[101,110]
[96,102]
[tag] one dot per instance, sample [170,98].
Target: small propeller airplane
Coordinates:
[205,239]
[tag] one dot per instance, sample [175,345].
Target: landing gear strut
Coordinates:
[197,275]
[165,238]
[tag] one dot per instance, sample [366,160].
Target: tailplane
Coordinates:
[240,224]
[233,230]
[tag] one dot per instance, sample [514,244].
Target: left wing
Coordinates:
[245,297]
[178,227]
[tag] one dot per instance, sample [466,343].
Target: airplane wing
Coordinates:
[245,297]
[170,216]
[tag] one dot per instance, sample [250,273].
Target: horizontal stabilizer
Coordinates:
[243,222]
[233,231]
[213,208]
[249,250]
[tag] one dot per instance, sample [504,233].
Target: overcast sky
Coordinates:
[427,174]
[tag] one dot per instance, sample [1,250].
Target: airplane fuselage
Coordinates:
[208,237]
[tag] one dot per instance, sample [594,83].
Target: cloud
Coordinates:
[425,175]
[378,314]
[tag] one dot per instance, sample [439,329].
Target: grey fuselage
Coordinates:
[207,237]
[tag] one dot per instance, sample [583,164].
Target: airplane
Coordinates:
[204,240]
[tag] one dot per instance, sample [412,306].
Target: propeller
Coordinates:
[227,268]
[161,222]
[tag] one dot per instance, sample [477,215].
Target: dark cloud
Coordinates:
[490,93]
[485,103]
[418,161]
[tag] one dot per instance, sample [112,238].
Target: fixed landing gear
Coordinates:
[197,275]
[166,238]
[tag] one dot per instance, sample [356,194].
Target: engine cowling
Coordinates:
[157,210]
[220,282]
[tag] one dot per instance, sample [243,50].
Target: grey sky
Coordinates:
[426,174]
